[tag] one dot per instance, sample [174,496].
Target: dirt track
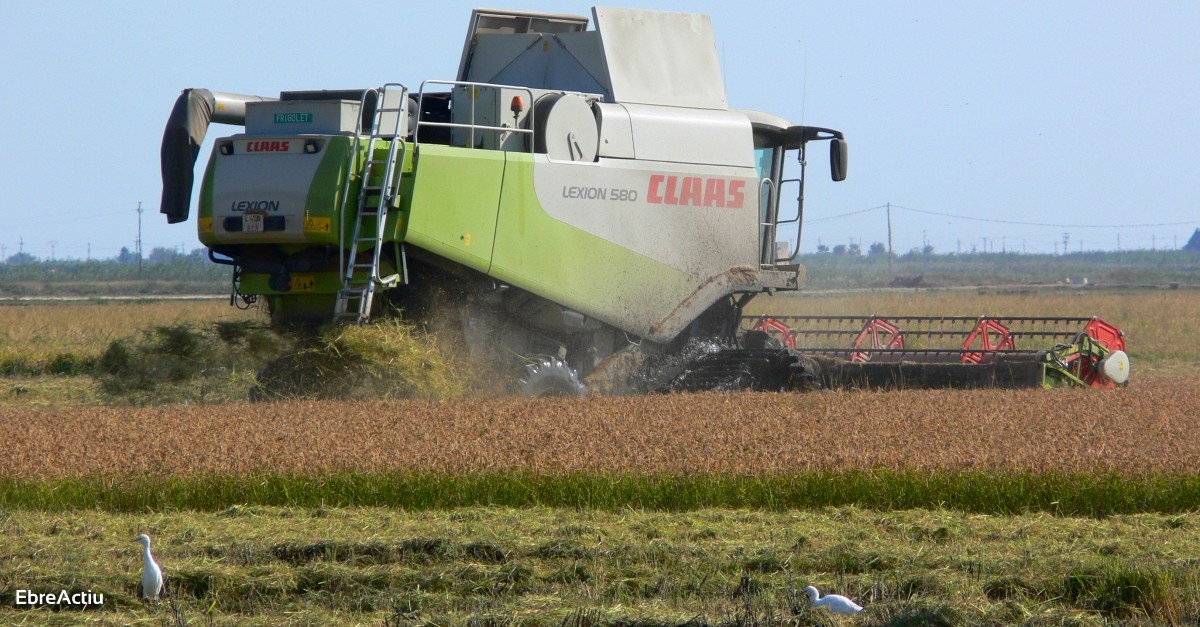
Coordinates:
[1152,425]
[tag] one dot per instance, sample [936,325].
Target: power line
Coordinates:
[1061,226]
[844,215]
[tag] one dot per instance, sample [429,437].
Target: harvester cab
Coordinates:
[776,144]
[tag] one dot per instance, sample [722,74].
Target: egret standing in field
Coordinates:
[835,603]
[152,584]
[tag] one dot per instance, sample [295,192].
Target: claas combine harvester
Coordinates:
[586,209]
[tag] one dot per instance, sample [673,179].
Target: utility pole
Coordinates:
[1066,240]
[889,216]
[52,245]
[139,238]
[89,258]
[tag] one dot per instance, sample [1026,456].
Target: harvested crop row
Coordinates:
[1151,426]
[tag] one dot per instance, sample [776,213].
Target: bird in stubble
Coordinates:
[152,586]
[835,603]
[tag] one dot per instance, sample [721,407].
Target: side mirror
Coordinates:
[839,158]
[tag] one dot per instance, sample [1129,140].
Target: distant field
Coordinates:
[1106,269]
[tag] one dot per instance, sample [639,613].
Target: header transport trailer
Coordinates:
[583,204]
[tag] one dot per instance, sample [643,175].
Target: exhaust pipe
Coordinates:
[194,110]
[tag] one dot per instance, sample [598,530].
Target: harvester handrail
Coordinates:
[381,95]
[473,127]
[796,220]
[767,227]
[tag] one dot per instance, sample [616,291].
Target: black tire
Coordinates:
[551,377]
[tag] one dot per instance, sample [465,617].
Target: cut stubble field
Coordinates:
[553,566]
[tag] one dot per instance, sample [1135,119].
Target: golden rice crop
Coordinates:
[1150,426]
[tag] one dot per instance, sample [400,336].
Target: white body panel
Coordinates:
[271,183]
[691,135]
[702,220]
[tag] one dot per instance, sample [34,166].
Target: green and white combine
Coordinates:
[582,203]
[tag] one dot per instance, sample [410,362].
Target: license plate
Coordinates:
[252,223]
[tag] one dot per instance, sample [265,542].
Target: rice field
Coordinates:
[1149,427]
[1034,507]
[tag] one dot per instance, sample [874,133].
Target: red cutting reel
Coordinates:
[882,335]
[985,339]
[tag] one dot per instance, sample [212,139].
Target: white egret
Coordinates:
[151,586]
[835,603]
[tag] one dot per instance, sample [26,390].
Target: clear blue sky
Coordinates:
[1008,122]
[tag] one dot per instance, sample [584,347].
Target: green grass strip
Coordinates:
[1069,494]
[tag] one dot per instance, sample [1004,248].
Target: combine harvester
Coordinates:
[583,205]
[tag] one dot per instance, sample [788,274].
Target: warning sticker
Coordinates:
[318,225]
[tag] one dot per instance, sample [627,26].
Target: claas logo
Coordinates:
[696,191]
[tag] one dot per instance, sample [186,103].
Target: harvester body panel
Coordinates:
[584,235]
[455,199]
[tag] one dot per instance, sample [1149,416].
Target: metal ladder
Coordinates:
[377,191]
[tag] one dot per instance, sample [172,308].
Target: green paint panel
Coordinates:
[206,203]
[575,268]
[325,194]
[307,283]
[455,198]
[302,306]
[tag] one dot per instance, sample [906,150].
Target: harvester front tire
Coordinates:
[551,377]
